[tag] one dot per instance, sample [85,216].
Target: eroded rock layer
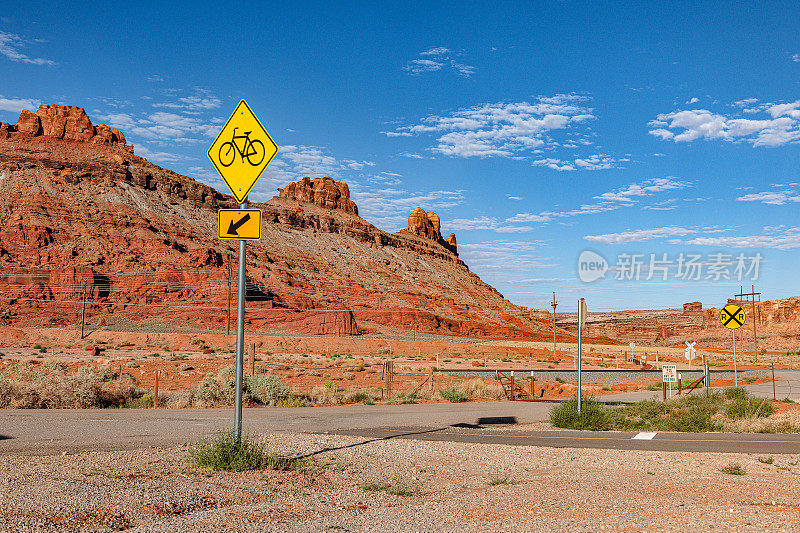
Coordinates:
[83,214]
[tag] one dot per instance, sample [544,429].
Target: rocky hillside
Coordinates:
[78,207]
[777,325]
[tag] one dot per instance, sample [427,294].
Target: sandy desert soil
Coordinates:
[306,363]
[421,486]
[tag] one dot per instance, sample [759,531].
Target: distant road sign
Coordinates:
[240,224]
[732,316]
[669,373]
[242,151]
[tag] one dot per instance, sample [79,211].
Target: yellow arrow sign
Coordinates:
[242,151]
[240,224]
[732,316]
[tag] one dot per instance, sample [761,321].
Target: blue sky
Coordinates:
[657,137]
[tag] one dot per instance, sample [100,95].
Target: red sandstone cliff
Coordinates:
[79,208]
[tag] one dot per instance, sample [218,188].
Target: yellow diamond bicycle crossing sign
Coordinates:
[732,316]
[240,224]
[242,151]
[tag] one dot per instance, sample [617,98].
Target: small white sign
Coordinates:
[632,345]
[669,373]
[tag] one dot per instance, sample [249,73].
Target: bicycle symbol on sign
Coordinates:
[253,150]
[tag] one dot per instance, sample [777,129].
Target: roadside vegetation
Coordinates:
[224,452]
[52,385]
[733,410]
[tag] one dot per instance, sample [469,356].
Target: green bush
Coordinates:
[593,415]
[263,389]
[734,469]
[749,408]
[736,393]
[224,452]
[294,401]
[220,389]
[452,395]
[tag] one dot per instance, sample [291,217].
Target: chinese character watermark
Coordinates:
[712,267]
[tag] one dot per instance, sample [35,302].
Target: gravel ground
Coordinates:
[446,486]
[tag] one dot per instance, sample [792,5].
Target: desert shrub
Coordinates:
[294,401]
[360,396]
[734,469]
[224,452]
[452,395]
[688,413]
[593,415]
[327,394]
[53,388]
[749,408]
[481,388]
[220,389]
[736,393]
[217,389]
[263,389]
[693,420]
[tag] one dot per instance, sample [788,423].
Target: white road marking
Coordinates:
[644,435]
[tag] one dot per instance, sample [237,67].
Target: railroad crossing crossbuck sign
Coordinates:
[242,151]
[690,351]
[732,316]
[240,224]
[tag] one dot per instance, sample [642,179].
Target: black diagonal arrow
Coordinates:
[234,227]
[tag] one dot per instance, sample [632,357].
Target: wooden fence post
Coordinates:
[155,397]
[253,359]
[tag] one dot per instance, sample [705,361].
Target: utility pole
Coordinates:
[83,309]
[554,304]
[752,293]
[228,327]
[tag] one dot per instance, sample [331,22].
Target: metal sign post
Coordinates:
[242,288]
[733,317]
[581,320]
[735,371]
[240,153]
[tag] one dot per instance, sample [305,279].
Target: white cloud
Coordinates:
[645,188]
[16,105]
[796,58]
[693,101]
[389,208]
[514,197]
[640,235]
[487,223]
[503,256]
[200,100]
[10,45]
[788,239]
[440,51]
[771,197]
[782,125]
[158,157]
[163,126]
[436,59]
[506,129]
[592,162]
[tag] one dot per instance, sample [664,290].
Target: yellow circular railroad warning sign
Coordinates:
[732,316]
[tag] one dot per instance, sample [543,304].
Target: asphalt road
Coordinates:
[42,432]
